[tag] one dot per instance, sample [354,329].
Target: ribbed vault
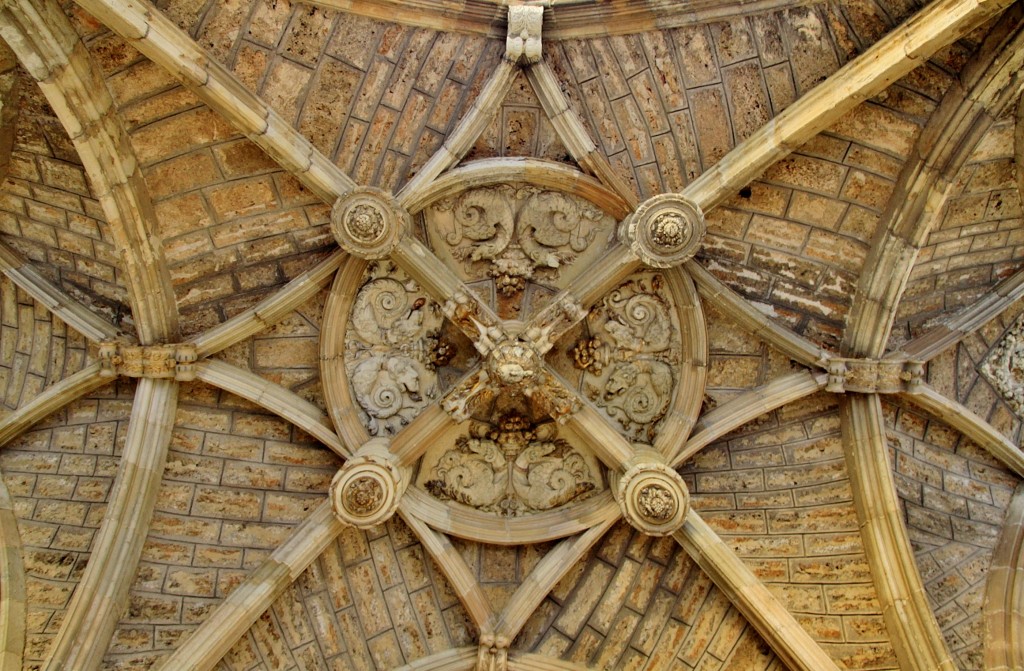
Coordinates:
[199,202]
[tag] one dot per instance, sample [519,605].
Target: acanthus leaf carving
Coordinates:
[628,358]
[520,232]
[512,469]
[391,349]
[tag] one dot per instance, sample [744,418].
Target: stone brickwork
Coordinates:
[372,600]
[737,361]
[237,481]
[954,496]
[637,602]
[955,373]
[520,128]
[36,348]
[49,215]
[978,242]
[288,352]
[60,474]
[777,491]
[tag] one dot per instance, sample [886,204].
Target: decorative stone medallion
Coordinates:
[629,357]
[515,234]
[653,496]
[664,231]
[1004,367]
[392,349]
[512,468]
[365,492]
[368,223]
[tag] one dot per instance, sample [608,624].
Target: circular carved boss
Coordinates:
[664,230]
[653,497]
[368,223]
[365,492]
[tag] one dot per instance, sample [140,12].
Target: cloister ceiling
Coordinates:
[364,334]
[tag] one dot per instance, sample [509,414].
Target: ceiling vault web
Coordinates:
[48,47]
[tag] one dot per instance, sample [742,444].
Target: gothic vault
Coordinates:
[490,335]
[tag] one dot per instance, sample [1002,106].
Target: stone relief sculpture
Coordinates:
[628,359]
[520,232]
[1004,367]
[512,469]
[392,349]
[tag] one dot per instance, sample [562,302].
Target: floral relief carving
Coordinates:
[392,349]
[512,469]
[1004,367]
[629,357]
[522,233]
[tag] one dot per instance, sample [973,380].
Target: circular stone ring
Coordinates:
[368,223]
[664,230]
[653,498]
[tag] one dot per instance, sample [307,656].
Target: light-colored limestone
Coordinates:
[908,617]
[102,592]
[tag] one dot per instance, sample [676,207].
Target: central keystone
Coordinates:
[514,364]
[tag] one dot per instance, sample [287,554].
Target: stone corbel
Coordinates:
[172,362]
[492,654]
[522,45]
[874,376]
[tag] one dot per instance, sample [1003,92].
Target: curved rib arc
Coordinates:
[160,40]
[951,331]
[746,407]
[101,596]
[273,397]
[894,55]
[13,599]
[270,310]
[912,626]
[755,322]
[253,596]
[763,611]
[461,139]
[455,569]
[970,425]
[53,298]
[49,48]
[50,400]
[923,186]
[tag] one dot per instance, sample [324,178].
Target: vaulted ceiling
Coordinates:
[364,334]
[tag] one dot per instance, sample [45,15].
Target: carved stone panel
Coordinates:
[630,354]
[517,234]
[392,349]
[511,468]
[1004,367]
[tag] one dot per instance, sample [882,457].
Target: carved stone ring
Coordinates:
[366,490]
[653,496]
[664,231]
[368,223]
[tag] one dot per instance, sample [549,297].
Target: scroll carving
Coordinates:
[1004,367]
[512,469]
[520,233]
[392,349]
[629,357]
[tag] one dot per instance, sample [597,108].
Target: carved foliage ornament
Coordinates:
[664,231]
[392,349]
[629,357]
[368,223]
[366,490]
[520,233]
[512,469]
[653,497]
[1004,367]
